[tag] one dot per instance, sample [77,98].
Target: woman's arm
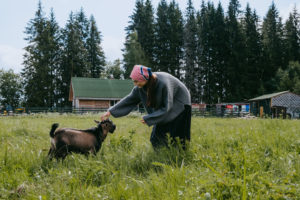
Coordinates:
[126,105]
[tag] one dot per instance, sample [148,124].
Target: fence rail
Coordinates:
[206,112]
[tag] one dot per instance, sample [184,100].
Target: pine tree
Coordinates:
[220,56]
[235,71]
[176,39]
[291,37]
[273,48]
[40,60]
[162,38]
[136,18]
[190,48]
[142,22]
[96,56]
[202,49]
[54,59]
[82,26]
[74,57]
[253,62]
[147,38]
[212,52]
[133,54]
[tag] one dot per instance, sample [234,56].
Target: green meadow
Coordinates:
[226,159]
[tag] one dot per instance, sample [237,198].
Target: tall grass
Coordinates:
[226,159]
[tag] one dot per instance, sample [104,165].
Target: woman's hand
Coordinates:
[143,121]
[105,116]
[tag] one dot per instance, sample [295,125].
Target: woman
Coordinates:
[166,100]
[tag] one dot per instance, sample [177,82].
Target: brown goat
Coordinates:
[68,140]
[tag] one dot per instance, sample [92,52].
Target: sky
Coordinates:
[111,16]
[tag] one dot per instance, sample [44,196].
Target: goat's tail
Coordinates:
[54,127]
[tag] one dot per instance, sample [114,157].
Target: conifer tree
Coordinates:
[273,48]
[162,38]
[220,55]
[142,22]
[74,57]
[291,37]
[253,55]
[133,54]
[202,49]
[54,45]
[41,60]
[236,54]
[34,30]
[190,48]
[212,52]
[82,26]
[147,38]
[176,39]
[96,56]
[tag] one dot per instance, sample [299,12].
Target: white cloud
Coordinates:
[112,47]
[285,12]
[11,58]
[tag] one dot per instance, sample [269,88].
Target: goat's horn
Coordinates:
[97,121]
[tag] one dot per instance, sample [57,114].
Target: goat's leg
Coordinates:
[50,154]
[61,152]
[93,151]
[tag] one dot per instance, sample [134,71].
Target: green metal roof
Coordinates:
[100,88]
[268,96]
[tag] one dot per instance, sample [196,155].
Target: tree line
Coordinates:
[221,56]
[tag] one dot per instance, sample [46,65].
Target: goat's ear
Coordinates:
[97,121]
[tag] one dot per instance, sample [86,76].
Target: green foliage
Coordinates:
[40,59]
[190,56]
[162,38]
[176,39]
[54,55]
[96,56]
[236,54]
[10,88]
[289,79]
[133,54]
[113,70]
[141,24]
[226,159]
[291,37]
[212,45]
[273,47]
[253,54]
[169,38]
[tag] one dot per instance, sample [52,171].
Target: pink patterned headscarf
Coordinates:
[140,73]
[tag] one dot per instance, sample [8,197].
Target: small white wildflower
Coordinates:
[180,193]
[207,196]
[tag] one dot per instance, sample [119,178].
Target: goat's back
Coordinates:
[76,138]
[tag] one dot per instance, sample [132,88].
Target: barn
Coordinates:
[95,93]
[281,104]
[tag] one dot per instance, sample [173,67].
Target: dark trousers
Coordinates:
[179,128]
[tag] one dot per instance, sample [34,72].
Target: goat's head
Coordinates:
[107,125]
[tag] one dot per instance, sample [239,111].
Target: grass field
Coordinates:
[226,159]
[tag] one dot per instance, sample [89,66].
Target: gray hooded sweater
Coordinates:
[171,96]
